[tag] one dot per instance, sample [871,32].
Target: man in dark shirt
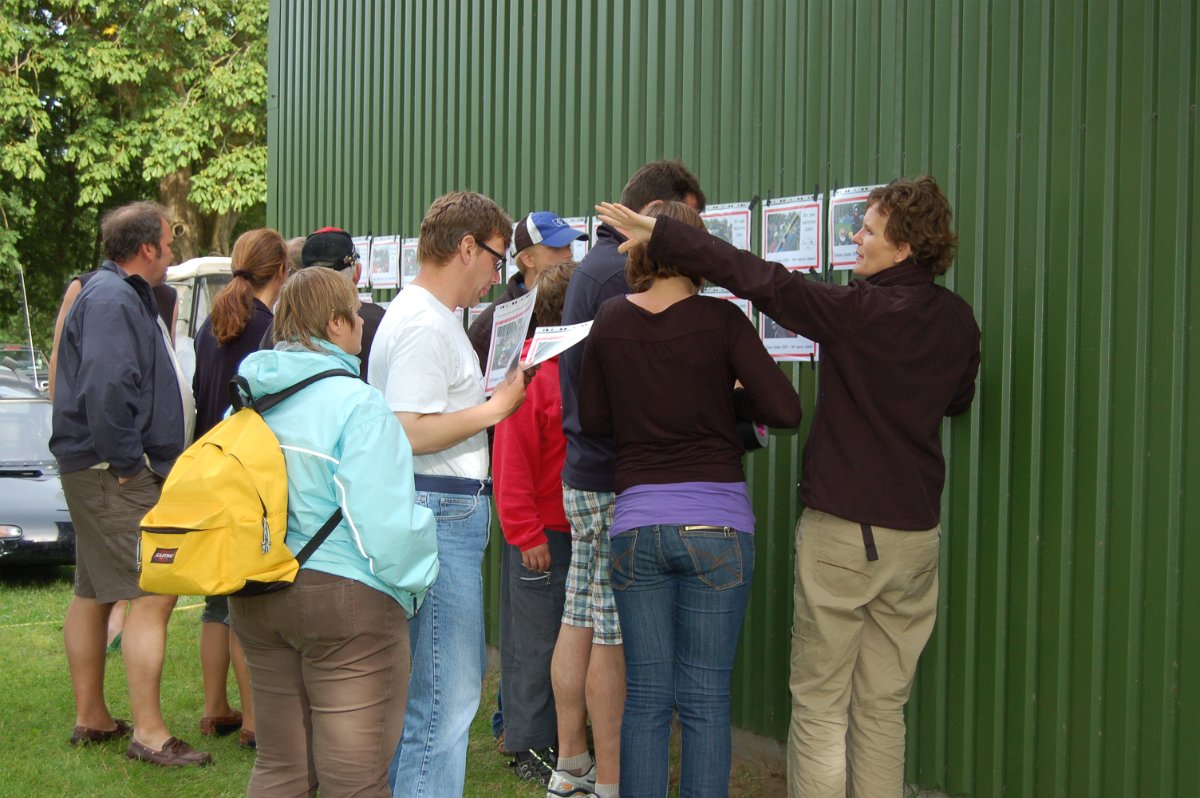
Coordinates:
[589,665]
[119,424]
[898,353]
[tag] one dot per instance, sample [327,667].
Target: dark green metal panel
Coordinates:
[1066,656]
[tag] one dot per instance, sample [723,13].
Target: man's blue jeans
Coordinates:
[681,595]
[446,637]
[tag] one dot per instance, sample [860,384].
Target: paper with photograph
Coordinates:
[475,311]
[509,325]
[847,207]
[782,343]
[791,232]
[362,245]
[730,222]
[385,262]
[408,261]
[583,224]
[550,341]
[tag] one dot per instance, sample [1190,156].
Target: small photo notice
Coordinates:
[583,224]
[791,232]
[385,262]
[847,207]
[782,343]
[362,245]
[408,261]
[730,222]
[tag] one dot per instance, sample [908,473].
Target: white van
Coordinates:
[197,281]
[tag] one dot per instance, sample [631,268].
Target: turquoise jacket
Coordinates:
[342,446]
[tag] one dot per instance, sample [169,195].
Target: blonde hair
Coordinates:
[309,300]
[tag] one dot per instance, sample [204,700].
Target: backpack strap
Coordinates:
[319,538]
[240,396]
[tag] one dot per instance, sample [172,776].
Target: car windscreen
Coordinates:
[24,430]
[25,360]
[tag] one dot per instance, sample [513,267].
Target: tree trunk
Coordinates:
[221,225]
[185,218]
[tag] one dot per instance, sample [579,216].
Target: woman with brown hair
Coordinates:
[240,317]
[659,376]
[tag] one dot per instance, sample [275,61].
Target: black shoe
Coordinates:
[536,765]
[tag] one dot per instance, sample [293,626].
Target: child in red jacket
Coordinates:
[527,462]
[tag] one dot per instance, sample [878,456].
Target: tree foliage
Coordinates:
[107,101]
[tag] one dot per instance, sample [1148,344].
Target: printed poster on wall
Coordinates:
[730,222]
[847,207]
[584,225]
[475,311]
[385,262]
[782,343]
[791,232]
[408,261]
[362,245]
[510,257]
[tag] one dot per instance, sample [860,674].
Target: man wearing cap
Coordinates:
[333,248]
[541,240]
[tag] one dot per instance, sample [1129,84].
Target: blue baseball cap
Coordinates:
[544,227]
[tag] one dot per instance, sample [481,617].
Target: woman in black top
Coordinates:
[658,376]
[240,317]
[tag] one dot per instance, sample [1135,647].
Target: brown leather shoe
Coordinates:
[246,739]
[220,726]
[174,753]
[82,735]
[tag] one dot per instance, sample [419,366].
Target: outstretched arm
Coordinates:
[819,311]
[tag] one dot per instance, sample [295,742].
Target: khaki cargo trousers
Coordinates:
[859,628]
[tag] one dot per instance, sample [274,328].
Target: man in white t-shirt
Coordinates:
[423,363]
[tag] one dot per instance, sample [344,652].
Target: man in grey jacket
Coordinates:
[119,424]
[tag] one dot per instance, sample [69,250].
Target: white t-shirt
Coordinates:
[422,362]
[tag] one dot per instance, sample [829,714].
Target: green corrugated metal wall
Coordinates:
[1067,654]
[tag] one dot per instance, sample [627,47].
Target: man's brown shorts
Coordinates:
[107,516]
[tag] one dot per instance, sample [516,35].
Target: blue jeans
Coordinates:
[681,595]
[446,638]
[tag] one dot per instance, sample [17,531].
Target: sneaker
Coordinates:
[536,765]
[174,753]
[563,784]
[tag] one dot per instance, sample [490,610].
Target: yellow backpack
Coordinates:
[219,526]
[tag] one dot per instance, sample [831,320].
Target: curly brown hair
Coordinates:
[918,214]
[640,271]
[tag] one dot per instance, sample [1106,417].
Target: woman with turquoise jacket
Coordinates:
[328,656]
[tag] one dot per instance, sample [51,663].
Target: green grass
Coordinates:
[37,712]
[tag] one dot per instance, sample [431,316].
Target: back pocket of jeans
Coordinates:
[447,507]
[620,555]
[716,556]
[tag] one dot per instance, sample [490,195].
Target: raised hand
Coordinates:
[637,228]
